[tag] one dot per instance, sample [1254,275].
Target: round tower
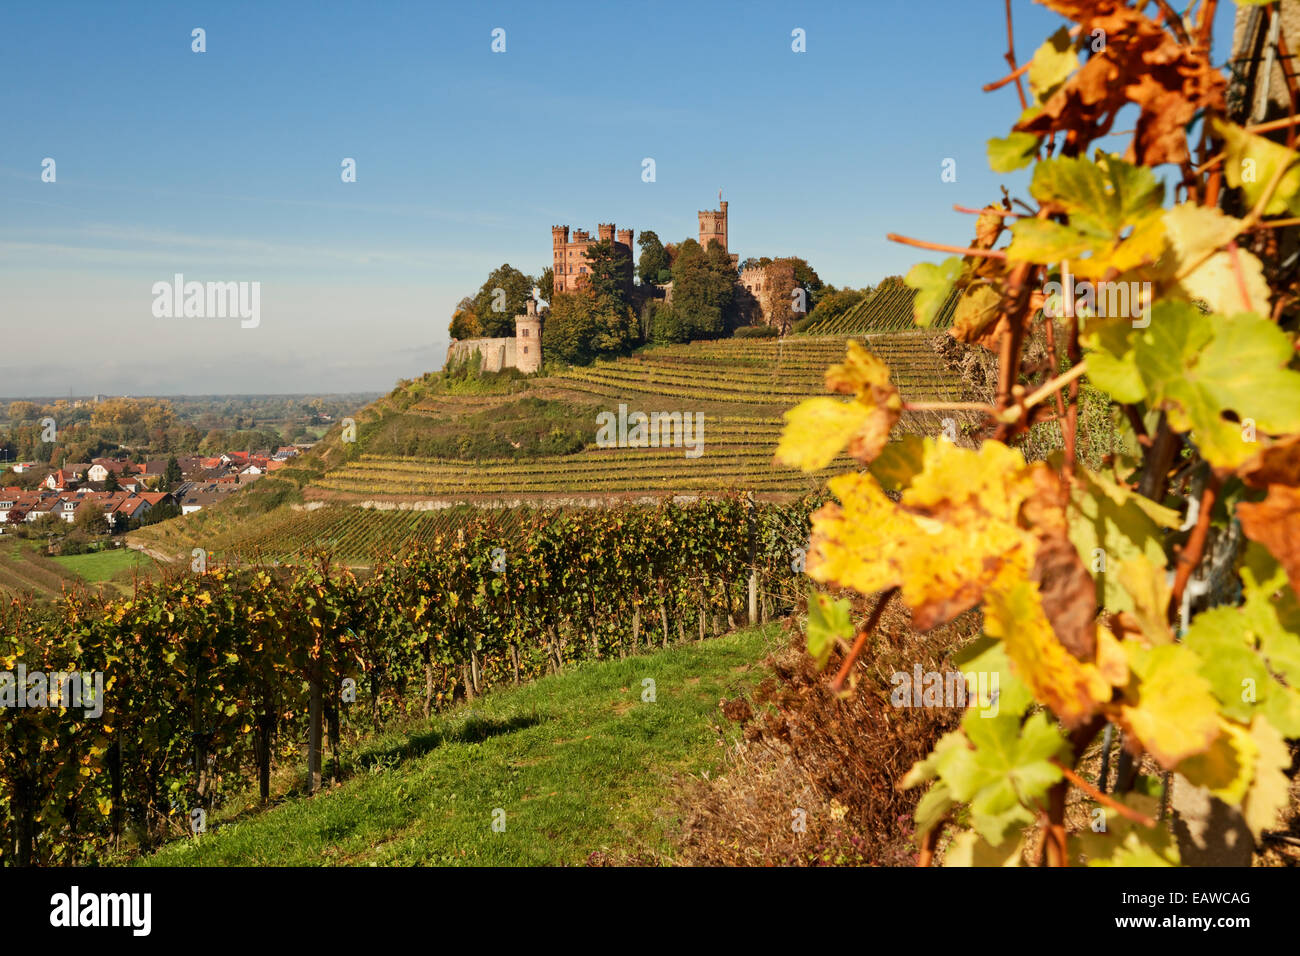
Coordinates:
[528,340]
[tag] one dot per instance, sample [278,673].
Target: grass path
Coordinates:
[578,762]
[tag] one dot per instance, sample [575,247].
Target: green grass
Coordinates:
[102,565]
[577,761]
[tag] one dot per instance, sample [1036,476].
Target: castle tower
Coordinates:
[528,340]
[625,237]
[713,224]
[559,239]
[606,231]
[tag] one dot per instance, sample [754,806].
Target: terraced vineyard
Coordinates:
[740,386]
[887,310]
[769,372]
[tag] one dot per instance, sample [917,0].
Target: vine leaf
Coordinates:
[1124,842]
[1270,792]
[945,541]
[1275,523]
[1227,767]
[1194,232]
[1168,707]
[968,848]
[1009,767]
[976,318]
[899,462]
[1012,152]
[1250,162]
[932,284]
[1200,366]
[1115,212]
[1052,64]
[1110,525]
[1073,689]
[828,623]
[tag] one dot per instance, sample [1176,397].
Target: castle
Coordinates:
[570,256]
[523,352]
[570,268]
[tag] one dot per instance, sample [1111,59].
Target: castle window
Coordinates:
[525,336]
[525,349]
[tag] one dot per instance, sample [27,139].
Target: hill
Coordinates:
[440,443]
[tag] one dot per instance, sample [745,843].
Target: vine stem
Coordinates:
[1127,812]
[838,683]
[1190,556]
[1055,385]
[955,250]
[928,844]
[1011,60]
[992,211]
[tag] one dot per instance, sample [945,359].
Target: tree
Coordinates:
[704,292]
[172,476]
[583,326]
[654,258]
[91,519]
[23,412]
[464,322]
[496,310]
[609,273]
[546,284]
[111,483]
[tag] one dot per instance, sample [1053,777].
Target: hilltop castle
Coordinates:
[570,256]
[523,352]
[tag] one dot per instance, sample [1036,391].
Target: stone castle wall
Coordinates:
[497,353]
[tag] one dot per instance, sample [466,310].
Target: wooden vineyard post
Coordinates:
[314,732]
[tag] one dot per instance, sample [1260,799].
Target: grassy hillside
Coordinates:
[25,570]
[578,762]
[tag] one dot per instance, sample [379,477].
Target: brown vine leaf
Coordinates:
[1068,594]
[1275,523]
[978,318]
[1276,464]
[1173,83]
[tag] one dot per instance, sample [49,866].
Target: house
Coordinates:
[59,480]
[22,466]
[99,468]
[285,451]
[198,500]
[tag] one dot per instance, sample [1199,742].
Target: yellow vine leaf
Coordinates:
[1270,792]
[968,848]
[943,544]
[1227,768]
[1193,232]
[1168,706]
[1073,689]
[818,429]
[1249,164]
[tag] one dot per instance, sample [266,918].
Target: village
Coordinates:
[127,494]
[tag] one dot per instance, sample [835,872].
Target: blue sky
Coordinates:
[225,165]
